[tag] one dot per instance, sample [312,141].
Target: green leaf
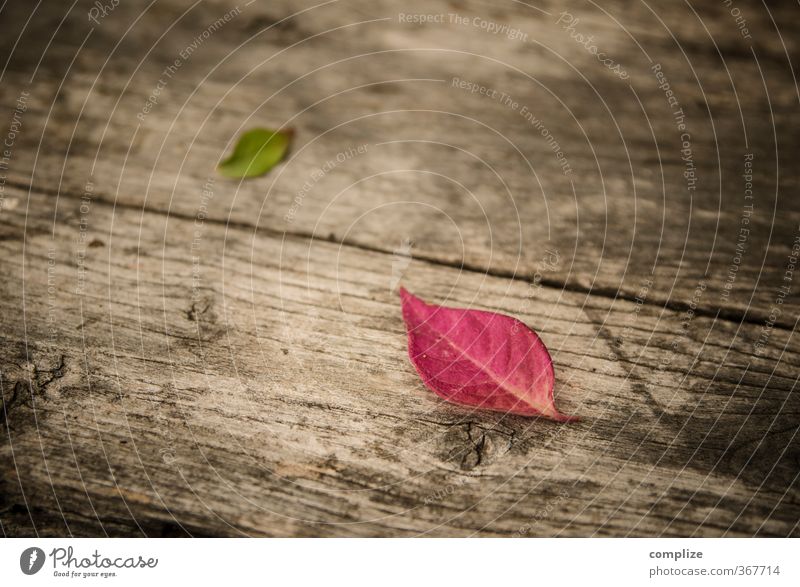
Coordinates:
[257,151]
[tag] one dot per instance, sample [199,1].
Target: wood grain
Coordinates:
[187,355]
[466,177]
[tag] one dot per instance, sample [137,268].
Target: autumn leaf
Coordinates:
[256,152]
[480,359]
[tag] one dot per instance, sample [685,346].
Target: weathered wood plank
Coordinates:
[463,176]
[213,380]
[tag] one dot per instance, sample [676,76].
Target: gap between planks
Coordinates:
[754,317]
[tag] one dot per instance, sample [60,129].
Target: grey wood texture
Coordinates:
[189,355]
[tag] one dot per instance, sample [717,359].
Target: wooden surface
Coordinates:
[189,355]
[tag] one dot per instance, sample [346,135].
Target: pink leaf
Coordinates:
[480,359]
